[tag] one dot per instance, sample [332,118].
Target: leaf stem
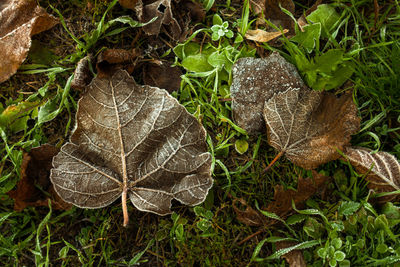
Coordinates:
[274,160]
[124,207]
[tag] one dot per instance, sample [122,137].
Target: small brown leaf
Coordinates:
[295,257]
[195,10]
[309,126]
[263,36]
[19,20]
[163,11]
[382,170]
[306,188]
[256,80]
[162,75]
[35,171]
[249,216]
[135,141]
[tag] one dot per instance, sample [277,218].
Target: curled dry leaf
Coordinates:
[256,80]
[134,141]
[163,11]
[82,74]
[35,172]
[263,36]
[111,60]
[19,20]
[309,127]
[382,169]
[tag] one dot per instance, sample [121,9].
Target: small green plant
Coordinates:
[220,29]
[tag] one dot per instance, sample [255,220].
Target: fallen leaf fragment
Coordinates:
[19,20]
[135,141]
[249,216]
[256,80]
[309,127]
[163,11]
[263,36]
[382,170]
[35,171]
[295,257]
[306,188]
[82,75]
[162,75]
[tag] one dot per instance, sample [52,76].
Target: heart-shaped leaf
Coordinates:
[382,169]
[309,126]
[134,141]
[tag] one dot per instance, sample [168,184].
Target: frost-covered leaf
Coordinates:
[309,127]
[256,80]
[134,141]
[382,169]
[19,20]
[163,11]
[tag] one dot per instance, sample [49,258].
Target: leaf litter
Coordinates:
[34,182]
[132,141]
[19,20]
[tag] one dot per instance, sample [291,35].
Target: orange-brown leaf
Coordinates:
[309,127]
[19,20]
[248,216]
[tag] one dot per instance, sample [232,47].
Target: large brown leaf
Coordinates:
[309,126]
[134,141]
[19,20]
[256,80]
[382,169]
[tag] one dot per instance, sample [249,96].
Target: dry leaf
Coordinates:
[295,257]
[249,216]
[282,204]
[309,126]
[194,10]
[19,20]
[263,36]
[134,141]
[256,80]
[82,75]
[163,11]
[111,60]
[35,171]
[128,3]
[306,188]
[275,15]
[382,169]
[257,6]
[162,75]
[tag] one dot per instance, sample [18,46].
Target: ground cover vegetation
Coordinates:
[272,202]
